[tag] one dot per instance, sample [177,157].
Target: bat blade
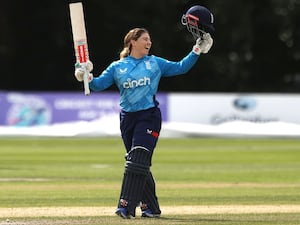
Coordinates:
[80,39]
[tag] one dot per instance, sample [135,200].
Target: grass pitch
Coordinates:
[87,172]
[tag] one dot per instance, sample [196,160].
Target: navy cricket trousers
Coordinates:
[141,128]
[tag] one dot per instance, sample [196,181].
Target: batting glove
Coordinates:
[203,44]
[80,69]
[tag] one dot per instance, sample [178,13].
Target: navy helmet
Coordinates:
[199,20]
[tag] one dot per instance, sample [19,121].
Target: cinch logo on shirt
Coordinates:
[136,83]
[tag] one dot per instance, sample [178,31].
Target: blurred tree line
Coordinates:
[256,43]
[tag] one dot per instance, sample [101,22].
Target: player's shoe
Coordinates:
[122,212]
[149,214]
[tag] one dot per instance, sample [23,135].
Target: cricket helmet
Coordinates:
[198,20]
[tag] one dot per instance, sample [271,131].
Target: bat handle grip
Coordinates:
[86,82]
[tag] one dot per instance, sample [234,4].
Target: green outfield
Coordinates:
[199,181]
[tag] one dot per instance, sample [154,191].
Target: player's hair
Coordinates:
[133,34]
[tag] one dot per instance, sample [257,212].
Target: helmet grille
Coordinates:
[192,24]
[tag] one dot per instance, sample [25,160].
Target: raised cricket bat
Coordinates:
[80,39]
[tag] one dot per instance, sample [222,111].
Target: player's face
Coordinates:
[142,45]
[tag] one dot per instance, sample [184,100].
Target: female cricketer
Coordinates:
[137,77]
